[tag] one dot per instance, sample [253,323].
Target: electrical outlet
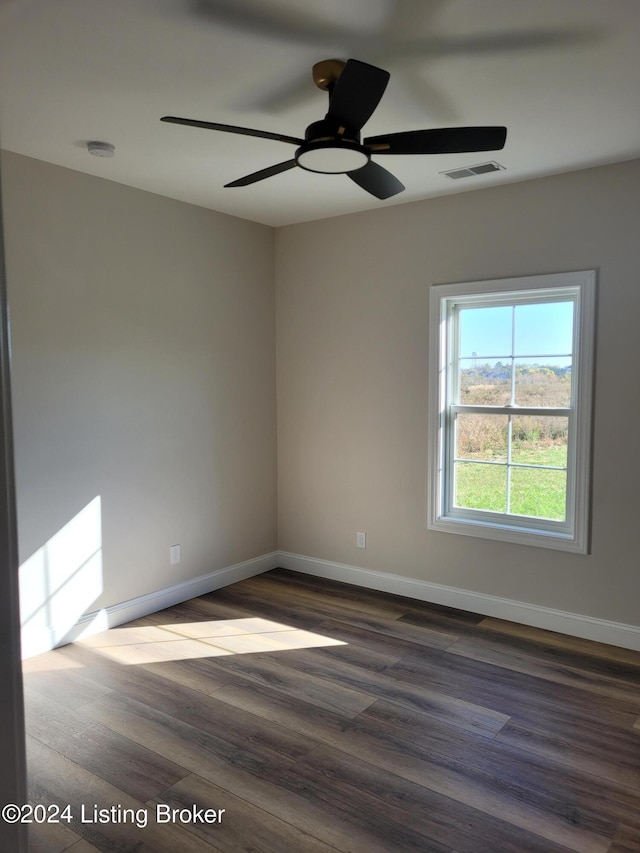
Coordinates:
[361,539]
[175,555]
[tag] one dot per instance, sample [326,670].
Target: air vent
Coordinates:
[469,171]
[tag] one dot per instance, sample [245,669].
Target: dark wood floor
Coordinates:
[326,717]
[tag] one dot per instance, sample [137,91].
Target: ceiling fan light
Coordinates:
[330,157]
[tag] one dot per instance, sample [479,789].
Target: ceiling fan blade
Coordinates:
[232,128]
[376,180]
[357,93]
[262,174]
[293,23]
[444,140]
[512,41]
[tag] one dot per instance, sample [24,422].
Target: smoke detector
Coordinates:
[101,149]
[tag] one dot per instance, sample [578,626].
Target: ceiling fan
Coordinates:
[333,146]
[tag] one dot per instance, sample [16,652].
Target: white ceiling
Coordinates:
[562,75]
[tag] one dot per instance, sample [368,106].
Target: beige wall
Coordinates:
[352,297]
[143,373]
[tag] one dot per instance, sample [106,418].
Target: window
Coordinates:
[510,409]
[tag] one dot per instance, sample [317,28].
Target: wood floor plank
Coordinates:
[382,641]
[425,729]
[212,629]
[271,641]
[63,684]
[47,662]
[457,712]
[624,686]
[232,729]
[244,826]
[582,656]
[196,674]
[143,653]
[276,789]
[357,656]
[83,790]
[227,604]
[626,840]
[82,846]
[474,790]
[518,694]
[605,753]
[127,635]
[98,749]
[357,594]
[345,699]
[201,752]
[66,688]
[561,641]
[322,725]
[427,615]
[317,598]
[443,772]
[51,837]
[439,819]
[584,798]
[325,610]
[379,619]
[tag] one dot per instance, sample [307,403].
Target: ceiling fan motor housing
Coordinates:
[331,148]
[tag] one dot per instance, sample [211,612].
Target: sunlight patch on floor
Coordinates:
[49,661]
[208,639]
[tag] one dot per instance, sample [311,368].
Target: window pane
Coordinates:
[484,384]
[486,332]
[543,384]
[544,329]
[538,493]
[480,486]
[518,351]
[482,437]
[539,441]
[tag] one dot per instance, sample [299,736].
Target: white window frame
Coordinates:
[573,533]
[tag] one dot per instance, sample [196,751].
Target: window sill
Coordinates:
[535,537]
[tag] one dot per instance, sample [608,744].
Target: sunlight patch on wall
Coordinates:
[208,639]
[61,581]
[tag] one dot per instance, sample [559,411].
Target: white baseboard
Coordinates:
[574,624]
[43,640]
